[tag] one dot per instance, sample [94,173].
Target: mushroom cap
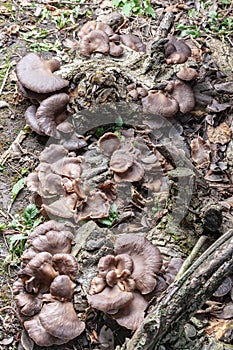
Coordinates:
[133,41]
[176,58]
[108,143]
[110,300]
[52,318]
[96,206]
[105,28]
[62,288]
[115,50]
[146,257]
[224,288]
[32,121]
[95,41]
[133,174]
[172,269]
[52,153]
[65,127]
[51,241]
[68,166]
[40,336]
[132,315]
[156,102]
[176,50]
[184,96]
[38,273]
[86,29]
[121,161]
[28,304]
[36,74]
[66,264]
[52,225]
[187,73]
[51,112]
[97,285]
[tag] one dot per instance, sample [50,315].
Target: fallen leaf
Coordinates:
[200,152]
[218,327]
[220,134]
[13,29]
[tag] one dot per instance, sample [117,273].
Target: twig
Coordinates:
[188,262]
[10,308]
[5,79]
[15,145]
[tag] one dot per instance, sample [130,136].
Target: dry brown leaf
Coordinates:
[221,134]
[218,327]
[200,152]
[13,29]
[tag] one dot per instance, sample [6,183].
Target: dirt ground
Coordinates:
[50,28]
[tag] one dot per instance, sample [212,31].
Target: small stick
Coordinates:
[192,256]
[15,144]
[5,79]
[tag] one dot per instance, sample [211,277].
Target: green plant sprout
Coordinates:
[23,225]
[113,216]
[136,7]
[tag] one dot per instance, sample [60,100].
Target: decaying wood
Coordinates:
[185,296]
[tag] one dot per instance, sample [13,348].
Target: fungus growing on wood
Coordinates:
[176,51]
[187,73]
[66,264]
[133,41]
[62,288]
[32,121]
[183,94]
[108,143]
[224,288]
[156,102]
[36,74]
[94,41]
[52,237]
[38,274]
[172,269]
[57,323]
[125,278]
[125,167]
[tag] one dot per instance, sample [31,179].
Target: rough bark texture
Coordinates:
[185,296]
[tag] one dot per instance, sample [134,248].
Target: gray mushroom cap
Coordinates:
[156,102]
[146,257]
[51,112]
[36,74]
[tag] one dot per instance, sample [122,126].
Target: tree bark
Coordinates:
[185,296]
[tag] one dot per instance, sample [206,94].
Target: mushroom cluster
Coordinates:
[62,184]
[177,96]
[176,51]
[37,82]
[58,187]
[43,293]
[125,279]
[99,37]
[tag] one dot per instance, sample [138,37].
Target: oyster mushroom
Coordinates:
[176,51]
[133,174]
[32,121]
[95,207]
[36,74]
[94,41]
[27,304]
[62,288]
[121,161]
[132,41]
[147,260]
[224,288]
[131,315]
[51,237]
[109,143]
[115,50]
[187,73]
[183,94]
[66,264]
[38,274]
[48,327]
[51,112]
[156,102]
[110,300]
